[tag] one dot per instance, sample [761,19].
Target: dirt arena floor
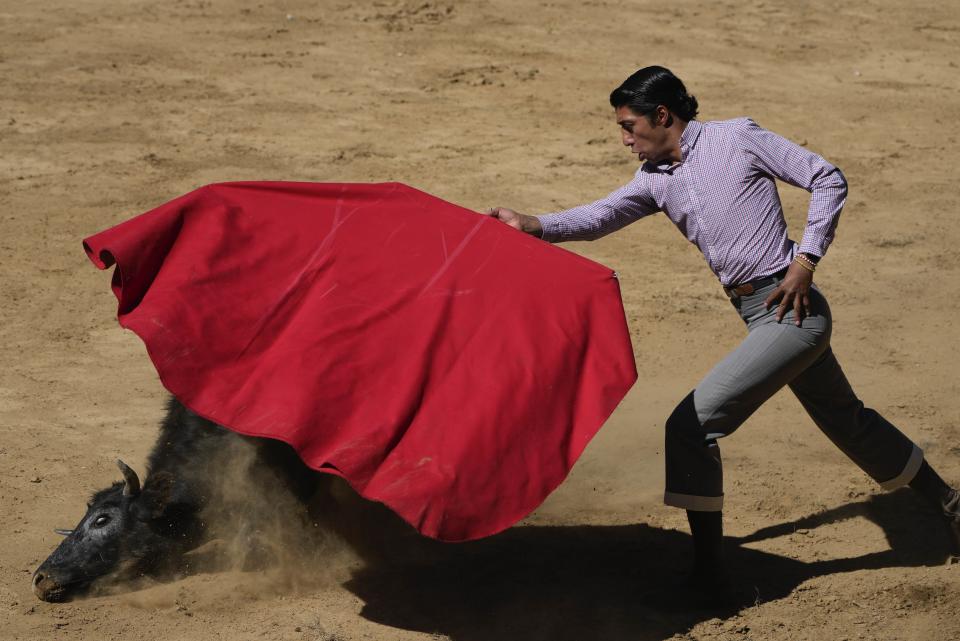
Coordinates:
[110,108]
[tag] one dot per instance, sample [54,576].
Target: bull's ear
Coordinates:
[157,493]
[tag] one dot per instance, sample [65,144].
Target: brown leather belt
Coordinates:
[745,289]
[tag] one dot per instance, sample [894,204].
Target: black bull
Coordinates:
[131,530]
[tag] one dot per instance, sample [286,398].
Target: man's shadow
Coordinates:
[609,582]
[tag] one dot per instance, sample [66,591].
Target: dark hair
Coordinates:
[651,87]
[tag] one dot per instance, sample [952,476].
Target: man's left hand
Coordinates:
[793,292]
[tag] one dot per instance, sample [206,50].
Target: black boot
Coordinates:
[709,578]
[943,497]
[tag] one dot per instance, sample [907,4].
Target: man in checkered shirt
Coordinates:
[716,182]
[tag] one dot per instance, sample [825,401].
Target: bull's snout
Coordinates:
[46,587]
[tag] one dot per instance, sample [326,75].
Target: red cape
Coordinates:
[441,362]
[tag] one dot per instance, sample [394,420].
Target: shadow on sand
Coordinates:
[611,582]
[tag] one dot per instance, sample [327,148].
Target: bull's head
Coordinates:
[108,541]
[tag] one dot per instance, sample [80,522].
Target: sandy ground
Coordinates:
[108,108]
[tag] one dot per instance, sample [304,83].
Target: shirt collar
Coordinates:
[689,137]
[688,140]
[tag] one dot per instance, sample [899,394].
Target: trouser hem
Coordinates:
[694,503]
[909,471]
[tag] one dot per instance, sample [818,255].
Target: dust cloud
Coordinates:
[263,540]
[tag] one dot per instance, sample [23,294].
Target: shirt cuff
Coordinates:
[813,244]
[551,228]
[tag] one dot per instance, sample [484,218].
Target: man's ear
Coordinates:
[662,116]
[156,495]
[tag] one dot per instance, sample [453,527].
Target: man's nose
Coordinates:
[628,139]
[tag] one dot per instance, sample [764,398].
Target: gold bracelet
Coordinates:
[808,260]
[805,262]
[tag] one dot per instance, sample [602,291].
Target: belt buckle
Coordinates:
[738,291]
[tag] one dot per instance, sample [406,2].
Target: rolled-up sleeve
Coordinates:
[802,168]
[627,204]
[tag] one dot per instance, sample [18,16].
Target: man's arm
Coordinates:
[791,163]
[586,222]
[627,204]
[802,168]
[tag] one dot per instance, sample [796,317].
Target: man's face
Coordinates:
[648,140]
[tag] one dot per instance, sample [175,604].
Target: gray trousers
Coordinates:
[773,355]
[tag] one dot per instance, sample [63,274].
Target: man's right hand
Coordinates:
[523,222]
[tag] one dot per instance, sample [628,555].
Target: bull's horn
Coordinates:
[131,482]
[62,532]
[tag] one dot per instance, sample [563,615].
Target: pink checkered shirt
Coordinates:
[723,198]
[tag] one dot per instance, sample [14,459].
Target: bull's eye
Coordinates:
[101,520]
